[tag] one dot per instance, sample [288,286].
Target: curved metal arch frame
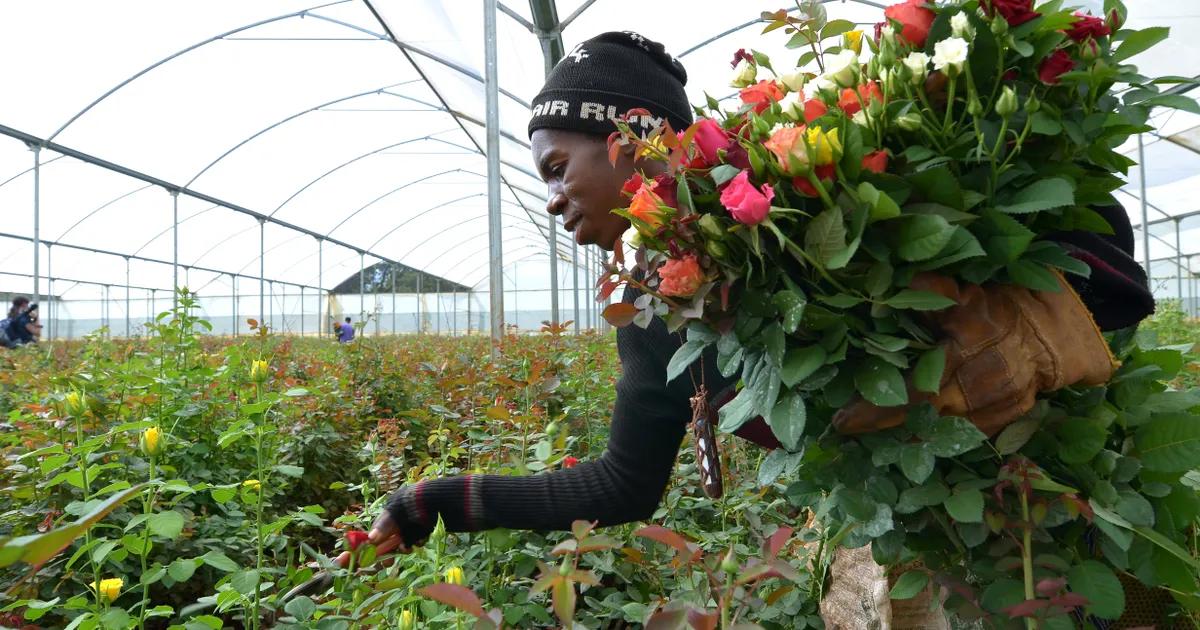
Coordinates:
[284,121]
[396,190]
[30,170]
[538,252]
[443,231]
[468,240]
[423,213]
[398,261]
[89,215]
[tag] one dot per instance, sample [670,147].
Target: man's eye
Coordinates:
[557,172]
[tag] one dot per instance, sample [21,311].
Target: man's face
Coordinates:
[583,186]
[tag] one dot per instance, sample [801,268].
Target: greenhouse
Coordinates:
[265,175]
[893,324]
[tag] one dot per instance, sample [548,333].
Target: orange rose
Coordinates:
[762,94]
[813,110]
[680,277]
[788,141]
[644,207]
[849,102]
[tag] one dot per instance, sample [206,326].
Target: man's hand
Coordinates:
[1004,345]
[385,535]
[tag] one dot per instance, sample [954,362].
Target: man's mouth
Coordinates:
[570,223]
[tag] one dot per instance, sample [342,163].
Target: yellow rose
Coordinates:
[407,620]
[153,442]
[853,41]
[76,406]
[253,484]
[259,370]
[826,146]
[454,575]
[109,589]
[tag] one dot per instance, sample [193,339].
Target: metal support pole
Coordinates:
[302,311]
[362,287]
[1145,211]
[1190,310]
[50,288]
[283,307]
[468,313]
[106,314]
[236,315]
[575,281]
[1178,263]
[37,221]
[420,315]
[438,325]
[554,269]
[128,321]
[394,331]
[516,316]
[262,272]
[495,240]
[175,247]
[151,306]
[271,303]
[321,289]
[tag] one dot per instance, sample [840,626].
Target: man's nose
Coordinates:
[556,204]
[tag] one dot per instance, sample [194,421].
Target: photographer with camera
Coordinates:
[22,326]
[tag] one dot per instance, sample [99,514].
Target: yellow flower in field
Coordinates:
[454,575]
[826,146]
[153,442]
[253,484]
[259,370]
[853,41]
[109,589]
[407,620]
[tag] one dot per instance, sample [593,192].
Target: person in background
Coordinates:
[608,76]
[346,332]
[22,323]
[18,306]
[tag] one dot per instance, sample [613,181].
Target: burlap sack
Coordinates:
[857,598]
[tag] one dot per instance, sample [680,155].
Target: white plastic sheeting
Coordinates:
[308,114]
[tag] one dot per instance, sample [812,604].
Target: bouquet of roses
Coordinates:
[814,233]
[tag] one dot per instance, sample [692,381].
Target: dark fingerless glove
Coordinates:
[458,500]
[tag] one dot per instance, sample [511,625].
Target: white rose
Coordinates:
[824,89]
[632,238]
[745,74]
[960,25]
[918,63]
[887,33]
[949,55]
[791,106]
[794,81]
[860,118]
[843,69]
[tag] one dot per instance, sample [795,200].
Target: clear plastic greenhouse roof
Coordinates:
[360,123]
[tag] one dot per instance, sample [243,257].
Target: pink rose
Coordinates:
[710,138]
[680,277]
[747,204]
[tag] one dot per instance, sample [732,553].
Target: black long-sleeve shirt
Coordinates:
[650,418]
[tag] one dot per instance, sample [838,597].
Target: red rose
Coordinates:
[355,539]
[850,103]
[761,95]
[710,138]
[632,185]
[1055,66]
[667,189]
[569,462]
[1014,11]
[741,55]
[914,19]
[875,162]
[823,173]
[737,157]
[1009,75]
[1087,26]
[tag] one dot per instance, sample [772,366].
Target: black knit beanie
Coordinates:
[605,77]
